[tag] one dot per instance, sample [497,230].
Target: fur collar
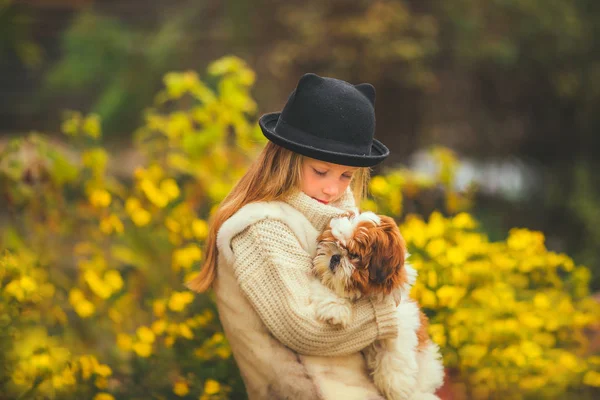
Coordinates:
[305,216]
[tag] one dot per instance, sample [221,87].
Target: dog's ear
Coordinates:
[387,259]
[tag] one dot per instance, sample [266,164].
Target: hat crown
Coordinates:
[330,120]
[333,110]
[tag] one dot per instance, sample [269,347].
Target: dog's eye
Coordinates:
[353,256]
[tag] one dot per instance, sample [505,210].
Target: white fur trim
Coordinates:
[254,212]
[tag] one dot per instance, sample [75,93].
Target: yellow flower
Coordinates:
[541,301]
[103,396]
[67,376]
[159,326]
[531,349]
[141,217]
[432,280]
[169,188]
[172,225]
[532,382]
[591,378]
[224,352]
[449,296]
[436,247]
[436,227]
[471,355]
[97,285]
[101,382]
[142,349]
[159,308]
[211,387]
[568,361]
[179,300]
[153,194]
[185,331]
[124,341]
[185,257]
[138,215]
[379,186]
[437,334]
[132,204]
[463,220]
[111,224]
[81,305]
[525,240]
[70,126]
[145,334]
[95,159]
[91,126]
[428,299]
[100,198]
[456,256]
[181,388]
[87,364]
[200,229]
[113,279]
[103,370]
[28,284]
[40,360]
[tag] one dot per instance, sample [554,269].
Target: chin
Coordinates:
[364,255]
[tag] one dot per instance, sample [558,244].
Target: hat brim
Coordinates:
[379,151]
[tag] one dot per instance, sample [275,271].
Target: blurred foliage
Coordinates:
[530,67]
[401,191]
[92,302]
[117,64]
[16,37]
[376,39]
[406,40]
[93,267]
[510,316]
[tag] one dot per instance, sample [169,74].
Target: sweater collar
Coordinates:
[318,213]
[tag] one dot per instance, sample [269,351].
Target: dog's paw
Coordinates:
[335,313]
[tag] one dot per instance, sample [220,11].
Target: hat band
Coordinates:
[296,135]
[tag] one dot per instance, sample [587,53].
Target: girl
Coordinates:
[261,244]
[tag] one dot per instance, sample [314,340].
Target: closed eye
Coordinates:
[319,172]
[353,256]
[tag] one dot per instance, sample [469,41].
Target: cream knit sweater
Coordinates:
[272,265]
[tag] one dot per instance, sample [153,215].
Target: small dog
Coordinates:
[364,254]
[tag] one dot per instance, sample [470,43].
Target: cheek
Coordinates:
[344,185]
[308,184]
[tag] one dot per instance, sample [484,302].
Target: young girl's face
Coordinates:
[323,181]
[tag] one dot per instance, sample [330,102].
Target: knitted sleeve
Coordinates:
[273,271]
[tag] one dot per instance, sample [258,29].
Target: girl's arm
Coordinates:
[272,270]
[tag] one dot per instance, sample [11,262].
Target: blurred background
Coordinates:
[512,86]
[509,88]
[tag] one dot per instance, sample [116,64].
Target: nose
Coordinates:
[334,262]
[330,190]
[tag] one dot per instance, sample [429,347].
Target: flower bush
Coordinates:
[92,301]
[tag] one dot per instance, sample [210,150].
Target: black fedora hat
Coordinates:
[330,120]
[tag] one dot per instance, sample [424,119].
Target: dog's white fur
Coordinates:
[400,370]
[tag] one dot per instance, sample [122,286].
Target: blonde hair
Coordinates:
[272,176]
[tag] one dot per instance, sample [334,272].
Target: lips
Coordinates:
[321,201]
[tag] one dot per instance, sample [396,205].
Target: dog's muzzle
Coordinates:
[334,262]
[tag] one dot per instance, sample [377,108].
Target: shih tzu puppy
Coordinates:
[364,254]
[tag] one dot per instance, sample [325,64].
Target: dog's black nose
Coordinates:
[335,261]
